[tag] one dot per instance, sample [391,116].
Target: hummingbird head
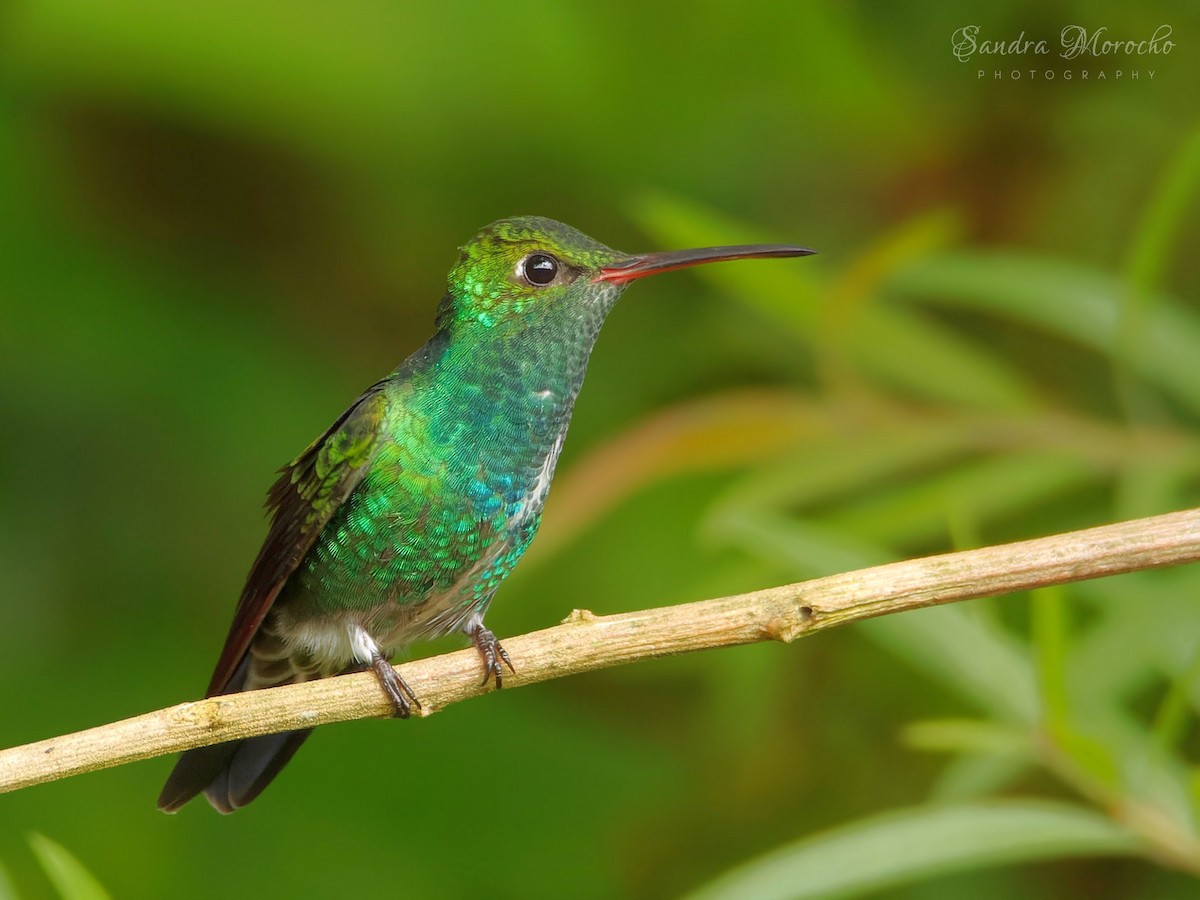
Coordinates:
[533,269]
[521,268]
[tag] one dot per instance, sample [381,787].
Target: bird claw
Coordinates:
[493,655]
[398,692]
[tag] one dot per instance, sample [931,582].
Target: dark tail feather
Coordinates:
[234,773]
[230,774]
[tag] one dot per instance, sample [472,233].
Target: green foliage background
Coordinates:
[220,220]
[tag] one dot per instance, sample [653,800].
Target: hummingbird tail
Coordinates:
[232,774]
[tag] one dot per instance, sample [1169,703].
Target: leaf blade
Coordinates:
[68,875]
[905,846]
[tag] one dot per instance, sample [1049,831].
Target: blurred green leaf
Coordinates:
[906,350]
[1146,260]
[911,845]
[1073,302]
[1098,761]
[966,736]
[968,654]
[7,891]
[1159,781]
[898,346]
[989,756]
[1161,220]
[972,777]
[808,549]
[1153,483]
[1050,643]
[827,468]
[1172,718]
[70,878]
[1142,630]
[920,511]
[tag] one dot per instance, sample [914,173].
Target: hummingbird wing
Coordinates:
[302,501]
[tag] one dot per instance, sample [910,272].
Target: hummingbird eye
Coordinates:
[539,269]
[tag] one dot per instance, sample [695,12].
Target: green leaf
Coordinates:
[967,653]
[905,349]
[1162,219]
[1070,301]
[896,345]
[864,481]
[68,875]
[1144,629]
[1097,760]
[1173,715]
[966,736]
[1152,483]
[989,756]
[1050,629]
[978,489]
[971,777]
[7,891]
[1147,259]
[829,467]
[807,549]
[910,845]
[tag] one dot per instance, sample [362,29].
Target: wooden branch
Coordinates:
[585,642]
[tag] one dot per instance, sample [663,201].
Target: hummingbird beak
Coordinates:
[630,268]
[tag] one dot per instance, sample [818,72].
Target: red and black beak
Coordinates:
[630,268]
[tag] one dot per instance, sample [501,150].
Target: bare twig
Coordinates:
[585,642]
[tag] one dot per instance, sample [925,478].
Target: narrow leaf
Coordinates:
[967,653]
[1163,217]
[966,736]
[7,891]
[66,873]
[1050,629]
[905,847]
[972,777]
[980,489]
[1073,302]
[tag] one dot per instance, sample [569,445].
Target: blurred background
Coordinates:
[219,221]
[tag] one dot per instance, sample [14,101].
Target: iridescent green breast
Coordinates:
[451,500]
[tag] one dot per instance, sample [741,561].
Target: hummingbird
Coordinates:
[399,523]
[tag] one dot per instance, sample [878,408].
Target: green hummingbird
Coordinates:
[399,522]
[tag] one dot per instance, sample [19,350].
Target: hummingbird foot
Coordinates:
[398,692]
[493,654]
